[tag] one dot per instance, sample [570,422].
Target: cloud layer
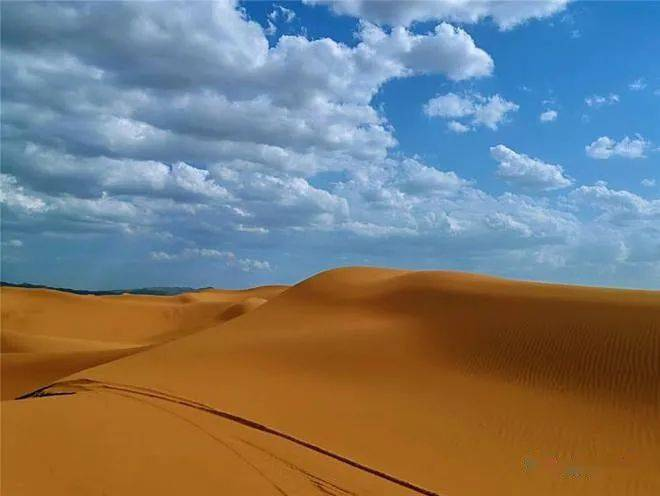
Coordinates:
[605,147]
[187,137]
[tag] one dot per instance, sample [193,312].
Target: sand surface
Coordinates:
[356,381]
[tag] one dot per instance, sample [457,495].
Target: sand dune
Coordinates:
[47,335]
[135,319]
[355,381]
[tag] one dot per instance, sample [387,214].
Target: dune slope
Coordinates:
[376,382]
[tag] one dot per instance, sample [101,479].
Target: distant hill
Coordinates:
[155,291]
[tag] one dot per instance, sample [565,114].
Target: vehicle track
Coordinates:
[79,385]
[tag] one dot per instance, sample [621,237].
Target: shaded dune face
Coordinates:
[373,381]
[242,307]
[600,343]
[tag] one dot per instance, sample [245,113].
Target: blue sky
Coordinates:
[232,145]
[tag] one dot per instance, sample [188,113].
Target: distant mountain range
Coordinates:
[155,291]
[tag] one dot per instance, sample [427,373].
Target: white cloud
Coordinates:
[548,116]
[51,169]
[616,203]
[605,147]
[600,101]
[493,112]
[648,182]
[415,201]
[252,229]
[14,196]
[13,243]
[281,202]
[226,257]
[457,127]
[527,172]
[449,105]
[637,85]
[251,265]
[481,111]
[415,177]
[162,256]
[506,15]
[196,180]
[280,12]
[445,50]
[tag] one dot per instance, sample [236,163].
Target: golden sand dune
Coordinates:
[364,381]
[135,319]
[49,334]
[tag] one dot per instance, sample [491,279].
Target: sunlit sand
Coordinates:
[355,381]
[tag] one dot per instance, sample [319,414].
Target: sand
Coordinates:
[47,335]
[355,381]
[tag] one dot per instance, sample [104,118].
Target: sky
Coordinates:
[238,144]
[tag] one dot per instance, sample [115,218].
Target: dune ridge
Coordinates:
[452,383]
[594,340]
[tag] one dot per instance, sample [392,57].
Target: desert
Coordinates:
[354,381]
[329,248]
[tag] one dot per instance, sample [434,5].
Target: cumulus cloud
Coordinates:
[527,172]
[242,99]
[240,132]
[606,147]
[548,116]
[618,204]
[54,171]
[475,108]
[446,50]
[282,201]
[600,101]
[424,206]
[648,182]
[505,14]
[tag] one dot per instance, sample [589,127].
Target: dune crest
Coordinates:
[364,381]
